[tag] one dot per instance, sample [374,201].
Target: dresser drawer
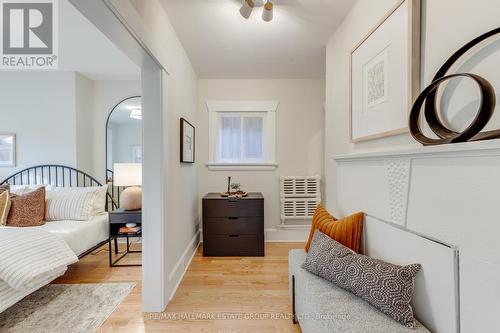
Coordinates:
[236,225]
[237,208]
[233,245]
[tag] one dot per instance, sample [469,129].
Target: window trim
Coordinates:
[268,108]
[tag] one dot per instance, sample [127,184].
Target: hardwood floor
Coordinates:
[221,295]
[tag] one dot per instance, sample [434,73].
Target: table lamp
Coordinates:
[130,176]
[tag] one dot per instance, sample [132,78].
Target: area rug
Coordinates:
[65,308]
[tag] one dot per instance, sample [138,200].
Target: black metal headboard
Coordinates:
[56,175]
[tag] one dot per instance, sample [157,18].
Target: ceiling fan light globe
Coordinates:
[246,8]
[267,13]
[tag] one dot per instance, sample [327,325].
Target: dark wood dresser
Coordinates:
[233,226]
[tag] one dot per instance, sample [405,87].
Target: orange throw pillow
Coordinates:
[346,231]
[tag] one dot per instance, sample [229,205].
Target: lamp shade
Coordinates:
[247,8]
[127,174]
[267,13]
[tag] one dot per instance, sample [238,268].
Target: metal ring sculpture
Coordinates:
[445,134]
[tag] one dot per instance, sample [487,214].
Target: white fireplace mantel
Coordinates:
[448,193]
[456,149]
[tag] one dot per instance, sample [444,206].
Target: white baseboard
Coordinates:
[183,263]
[286,235]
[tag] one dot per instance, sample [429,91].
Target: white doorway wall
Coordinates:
[154,284]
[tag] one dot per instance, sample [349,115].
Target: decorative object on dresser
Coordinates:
[236,187]
[130,175]
[299,197]
[385,74]
[486,106]
[123,224]
[7,150]
[233,226]
[187,141]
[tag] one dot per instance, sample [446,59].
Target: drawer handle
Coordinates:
[233,235]
[233,217]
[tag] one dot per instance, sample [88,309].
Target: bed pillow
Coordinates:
[27,210]
[72,203]
[5,187]
[386,286]
[346,231]
[99,204]
[4,206]
[23,189]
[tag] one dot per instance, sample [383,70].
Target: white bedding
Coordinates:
[29,259]
[79,235]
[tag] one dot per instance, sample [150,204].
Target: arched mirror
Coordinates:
[123,137]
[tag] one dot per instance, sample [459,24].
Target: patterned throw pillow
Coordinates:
[27,210]
[386,286]
[346,231]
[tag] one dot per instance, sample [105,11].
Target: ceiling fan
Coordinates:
[248,5]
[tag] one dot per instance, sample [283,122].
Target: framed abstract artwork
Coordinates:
[7,150]
[385,74]
[187,141]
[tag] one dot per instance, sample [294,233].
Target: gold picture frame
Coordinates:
[413,66]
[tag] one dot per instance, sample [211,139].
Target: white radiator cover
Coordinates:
[299,197]
[446,193]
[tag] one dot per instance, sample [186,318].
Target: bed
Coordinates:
[81,236]
[42,253]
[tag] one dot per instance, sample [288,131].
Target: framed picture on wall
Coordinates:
[385,74]
[136,153]
[7,150]
[187,141]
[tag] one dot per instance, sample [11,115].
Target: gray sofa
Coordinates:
[320,306]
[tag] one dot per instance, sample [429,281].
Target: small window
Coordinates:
[242,134]
[240,138]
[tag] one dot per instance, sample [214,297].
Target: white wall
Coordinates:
[180,233]
[299,139]
[447,189]
[59,117]
[447,25]
[84,108]
[39,107]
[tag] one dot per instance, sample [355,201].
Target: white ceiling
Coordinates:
[222,44]
[84,49]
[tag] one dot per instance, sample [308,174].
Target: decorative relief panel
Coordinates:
[397,173]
